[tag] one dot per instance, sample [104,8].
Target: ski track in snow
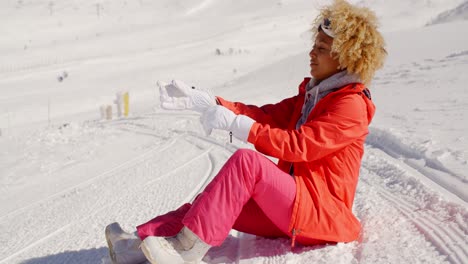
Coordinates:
[442,224]
[78,206]
[387,186]
[427,166]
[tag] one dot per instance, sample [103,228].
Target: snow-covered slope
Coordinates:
[400,15]
[65,174]
[458,13]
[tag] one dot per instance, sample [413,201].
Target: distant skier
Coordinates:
[317,135]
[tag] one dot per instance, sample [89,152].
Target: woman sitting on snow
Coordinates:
[317,136]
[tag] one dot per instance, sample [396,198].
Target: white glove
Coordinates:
[179,96]
[219,117]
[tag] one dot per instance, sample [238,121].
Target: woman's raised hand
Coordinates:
[177,95]
[219,117]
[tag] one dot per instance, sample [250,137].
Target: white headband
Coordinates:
[326,27]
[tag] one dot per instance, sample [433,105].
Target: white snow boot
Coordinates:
[186,247]
[124,247]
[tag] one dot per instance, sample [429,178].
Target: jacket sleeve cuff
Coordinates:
[241,126]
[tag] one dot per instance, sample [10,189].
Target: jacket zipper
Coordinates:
[294,233]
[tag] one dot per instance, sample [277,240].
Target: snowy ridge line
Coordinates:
[458,54]
[199,7]
[81,218]
[398,175]
[91,180]
[391,145]
[388,143]
[442,230]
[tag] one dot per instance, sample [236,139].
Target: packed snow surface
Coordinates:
[65,173]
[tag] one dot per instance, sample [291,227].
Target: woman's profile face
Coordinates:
[322,64]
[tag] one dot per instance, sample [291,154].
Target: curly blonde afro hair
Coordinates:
[358,45]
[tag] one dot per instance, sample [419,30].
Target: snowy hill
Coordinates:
[65,173]
[458,13]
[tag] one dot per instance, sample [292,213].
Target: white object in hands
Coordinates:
[219,117]
[186,247]
[124,247]
[180,96]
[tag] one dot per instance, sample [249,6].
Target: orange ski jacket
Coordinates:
[324,155]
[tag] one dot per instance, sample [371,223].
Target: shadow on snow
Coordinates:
[91,256]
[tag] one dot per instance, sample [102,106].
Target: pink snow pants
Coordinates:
[249,194]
